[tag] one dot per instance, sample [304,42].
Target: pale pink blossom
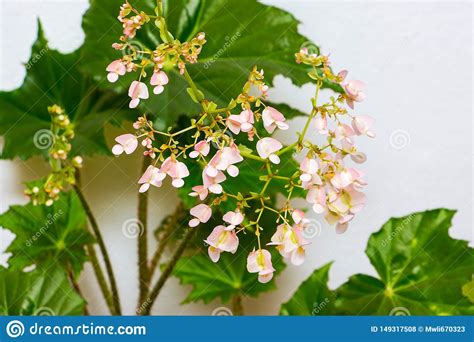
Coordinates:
[272,119]
[242,122]
[356,156]
[344,133]
[266,148]
[317,197]
[137,91]
[347,177]
[224,160]
[293,246]
[115,69]
[127,143]
[321,123]
[199,190]
[213,183]
[221,240]
[201,148]
[233,218]
[362,125]
[260,261]
[201,212]
[176,170]
[309,173]
[152,176]
[159,80]
[354,92]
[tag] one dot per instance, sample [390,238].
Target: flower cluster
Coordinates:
[224,138]
[170,53]
[63,168]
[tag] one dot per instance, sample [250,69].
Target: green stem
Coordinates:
[142,215]
[168,226]
[167,272]
[103,249]
[101,279]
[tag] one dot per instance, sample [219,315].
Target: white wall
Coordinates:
[416,58]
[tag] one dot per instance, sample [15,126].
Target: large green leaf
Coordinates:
[421,271]
[41,292]
[228,277]
[54,78]
[239,33]
[313,296]
[48,234]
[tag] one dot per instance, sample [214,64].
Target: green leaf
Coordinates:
[421,271]
[468,290]
[40,292]
[313,297]
[239,34]
[54,78]
[229,276]
[48,234]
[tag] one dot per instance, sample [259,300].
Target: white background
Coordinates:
[417,61]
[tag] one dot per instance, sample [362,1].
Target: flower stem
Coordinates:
[168,225]
[237,308]
[142,215]
[167,271]
[103,249]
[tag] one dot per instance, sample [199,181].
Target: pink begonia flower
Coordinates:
[242,122]
[354,89]
[344,133]
[152,176]
[273,119]
[137,91]
[159,80]
[223,160]
[213,183]
[309,176]
[201,148]
[356,156]
[321,123]
[201,212]
[347,177]
[115,69]
[278,237]
[362,125]
[343,206]
[127,143]
[293,246]
[221,240]
[261,261]
[233,218]
[176,170]
[299,217]
[317,197]
[199,190]
[266,148]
